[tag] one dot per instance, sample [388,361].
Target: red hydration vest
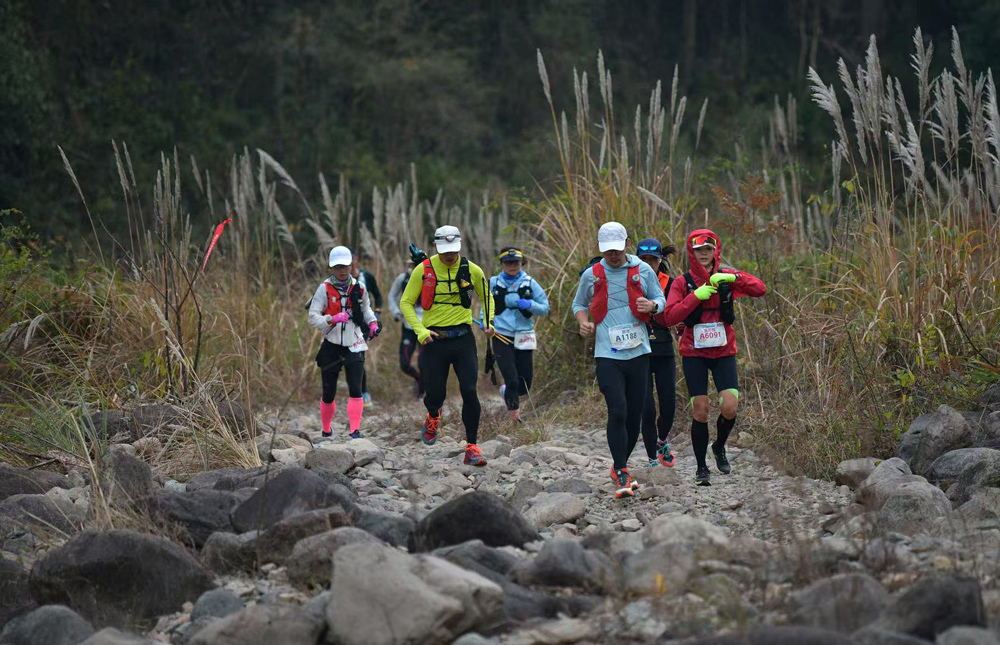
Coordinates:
[599,304]
[430,286]
[333,299]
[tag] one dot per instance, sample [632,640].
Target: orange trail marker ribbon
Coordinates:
[211,245]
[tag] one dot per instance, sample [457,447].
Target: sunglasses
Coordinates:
[646,248]
[447,238]
[702,240]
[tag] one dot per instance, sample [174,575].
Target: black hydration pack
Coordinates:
[726,310]
[500,293]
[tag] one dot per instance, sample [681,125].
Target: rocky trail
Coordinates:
[385,540]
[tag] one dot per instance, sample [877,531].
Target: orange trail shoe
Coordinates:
[624,484]
[474,456]
[430,433]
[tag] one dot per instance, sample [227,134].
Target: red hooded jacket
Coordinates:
[680,303]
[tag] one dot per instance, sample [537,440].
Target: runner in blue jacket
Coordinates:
[518,300]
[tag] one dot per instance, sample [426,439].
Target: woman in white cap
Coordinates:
[341,310]
[620,293]
[444,285]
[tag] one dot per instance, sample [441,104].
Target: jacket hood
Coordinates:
[698,272]
[630,261]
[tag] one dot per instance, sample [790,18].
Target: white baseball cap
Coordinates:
[448,239]
[612,237]
[340,255]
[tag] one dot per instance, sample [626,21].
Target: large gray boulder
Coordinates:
[981,475]
[660,570]
[125,480]
[912,507]
[842,603]
[496,523]
[406,599]
[884,480]
[15,597]
[706,540]
[232,478]
[967,636]
[934,605]
[932,435]
[854,471]
[311,561]
[565,563]
[875,636]
[112,636]
[42,514]
[119,578]
[21,481]
[266,625]
[200,513]
[949,467]
[48,625]
[230,554]
[217,603]
[776,636]
[292,491]
[276,543]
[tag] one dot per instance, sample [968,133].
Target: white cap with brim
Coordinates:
[448,239]
[341,256]
[612,237]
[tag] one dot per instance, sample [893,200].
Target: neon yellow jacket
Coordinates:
[447,310]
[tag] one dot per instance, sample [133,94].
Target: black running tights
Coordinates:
[459,353]
[663,372]
[517,368]
[624,384]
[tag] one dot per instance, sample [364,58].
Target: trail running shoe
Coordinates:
[355,435]
[326,435]
[665,454]
[430,434]
[653,463]
[474,456]
[367,398]
[720,460]
[623,483]
[701,478]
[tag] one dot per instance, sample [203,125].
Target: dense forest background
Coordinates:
[366,88]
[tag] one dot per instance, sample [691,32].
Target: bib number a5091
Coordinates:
[625,336]
[710,335]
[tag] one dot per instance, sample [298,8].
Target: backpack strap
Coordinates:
[499,291]
[599,302]
[464,278]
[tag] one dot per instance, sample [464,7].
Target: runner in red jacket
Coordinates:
[702,299]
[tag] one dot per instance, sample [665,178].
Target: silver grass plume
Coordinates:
[921,63]
[701,123]
[856,110]
[544,76]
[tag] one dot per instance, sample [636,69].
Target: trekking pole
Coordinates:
[489,367]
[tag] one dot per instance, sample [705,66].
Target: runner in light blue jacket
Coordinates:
[518,300]
[620,293]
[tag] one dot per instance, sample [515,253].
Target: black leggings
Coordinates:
[435,360]
[331,359]
[663,371]
[517,367]
[624,384]
[408,344]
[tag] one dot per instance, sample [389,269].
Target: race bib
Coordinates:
[710,335]
[525,340]
[625,336]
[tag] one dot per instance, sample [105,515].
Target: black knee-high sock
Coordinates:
[699,440]
[724,426]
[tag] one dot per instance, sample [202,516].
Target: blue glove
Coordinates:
[511,300]
[523,304]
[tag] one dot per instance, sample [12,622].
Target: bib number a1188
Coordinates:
[625,336]
[525,340]
[710,335]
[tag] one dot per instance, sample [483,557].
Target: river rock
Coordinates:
[875,636]
[394,530]
[967,636]
[950,466]
[42,514]
[119,578]
[934,605]
[292,491]
[365,452]
[557,508]
[48,625]
[660,570]
[983,474]
[217,603]
[496,523]
[126,480]
[21,481]
[229,554]
[932,435]
[565,563]
[842,603]
[406,598]
[265,625]
[276,543]
[200,512]
[708,542]
[854,471]
[776,636]
[331,458]
[911,508]
[112,636]
[311,560]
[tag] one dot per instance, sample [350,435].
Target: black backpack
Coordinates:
[726,310]
[500,293]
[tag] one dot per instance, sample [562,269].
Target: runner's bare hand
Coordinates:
[430,339]
[586,328]
[645,306]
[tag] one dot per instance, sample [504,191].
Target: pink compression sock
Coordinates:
[326,411]
[354,409]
